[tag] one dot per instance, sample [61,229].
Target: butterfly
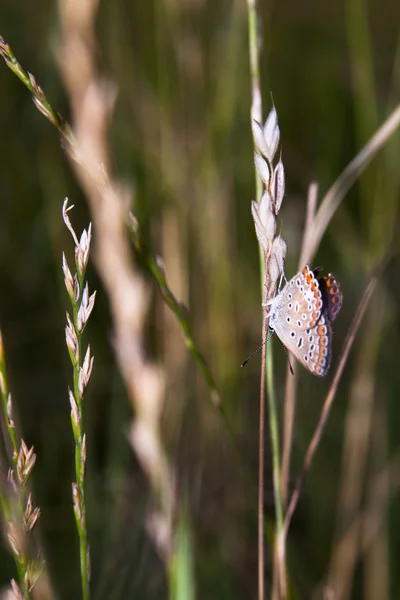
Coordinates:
[301,315]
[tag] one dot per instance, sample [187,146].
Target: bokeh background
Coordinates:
[181,138]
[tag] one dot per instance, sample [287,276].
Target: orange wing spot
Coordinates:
[321,330]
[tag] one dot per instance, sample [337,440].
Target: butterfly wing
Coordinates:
[311,347]
[299,304]
[332,297]
[301,316]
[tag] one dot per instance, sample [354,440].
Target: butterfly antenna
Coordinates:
[288,359]
[257,350]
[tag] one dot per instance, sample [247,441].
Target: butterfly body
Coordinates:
[301,315]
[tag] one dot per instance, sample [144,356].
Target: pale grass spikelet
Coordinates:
[65,210]
[279,249]
[29,505]
[16,590]
[267,216]
[85,373]
[271,134]
[260,233]
[274,275]
[43,109]
[35,569]
[71,340]
[68,279]
[266,210]
[26,462]
[13,539]
[76,499]
[5,50]
[31,515]
[37,90]
[263,168]
[34,517]
[75,417]
[276,262]
[35,86]
[11,479]
[83,249]
[264,220]
[85,308]
[39,99]
[278,186]
[77,288]
[259,139]
[10,412]
[27,581]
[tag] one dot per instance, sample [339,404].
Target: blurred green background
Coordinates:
[181,137]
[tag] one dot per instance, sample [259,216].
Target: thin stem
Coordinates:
[329,399]
[311,209]
[156,269]
[350,174]
[291,379]
[274,433]
[288,422]
[256,105]
[261,464]
[256,114]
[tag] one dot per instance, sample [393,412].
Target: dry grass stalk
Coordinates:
[265,212]
[317,221]
[366,524]
[91,101]
[329,399]
[360,425]
[347,178]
